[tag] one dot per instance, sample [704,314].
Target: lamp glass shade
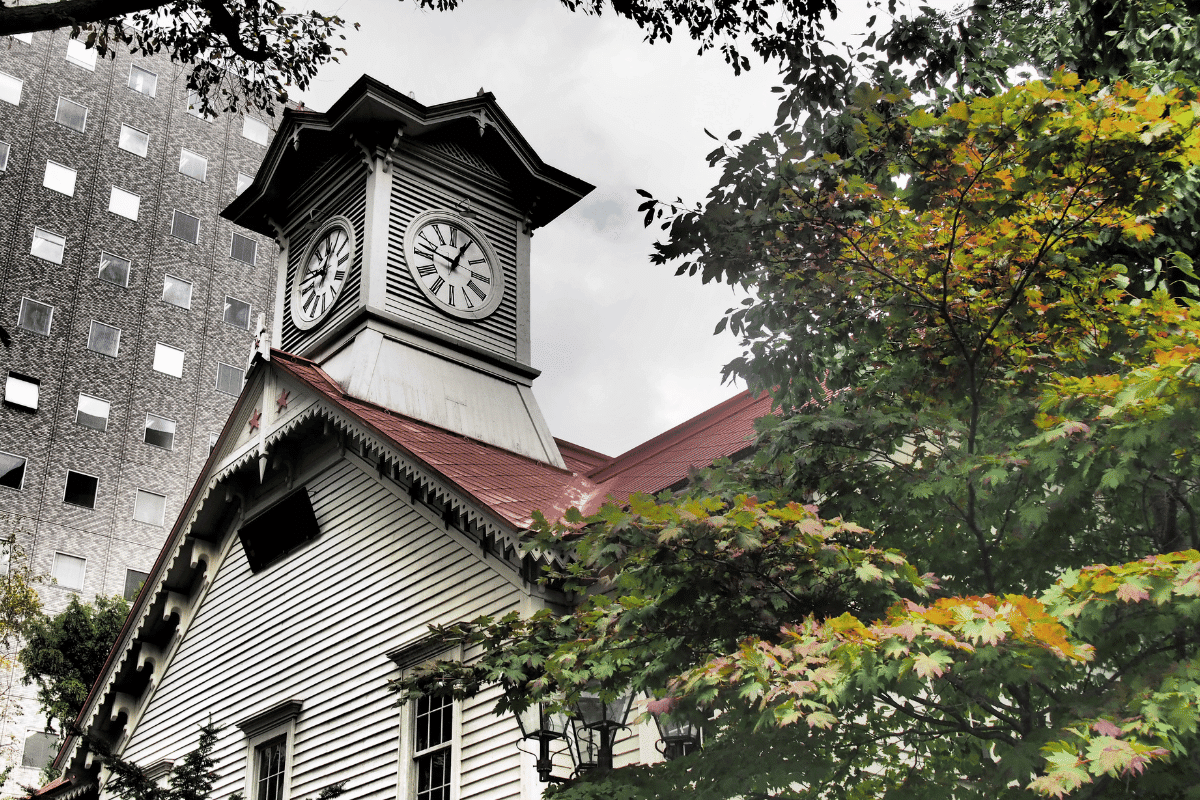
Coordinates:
[596,714]
[585,747]
[537,722]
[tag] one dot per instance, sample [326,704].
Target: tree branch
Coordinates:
[67,13]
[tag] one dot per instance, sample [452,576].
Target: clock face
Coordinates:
[453,265]
[322,273]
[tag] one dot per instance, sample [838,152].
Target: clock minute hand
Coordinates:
[461,250]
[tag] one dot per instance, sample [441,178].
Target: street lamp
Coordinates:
[678,736]
[602,719]
[538,723]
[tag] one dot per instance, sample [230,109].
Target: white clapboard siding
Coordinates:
[317,626]
[490,758]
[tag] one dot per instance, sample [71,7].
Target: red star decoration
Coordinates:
[254,419]
[282,400]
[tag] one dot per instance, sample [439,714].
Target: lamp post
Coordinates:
[602,719]
[536,722]
[678,736]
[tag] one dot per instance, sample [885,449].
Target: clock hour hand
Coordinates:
[461,250]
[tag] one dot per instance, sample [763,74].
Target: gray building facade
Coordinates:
[128,303]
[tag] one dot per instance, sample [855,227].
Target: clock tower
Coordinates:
[404,234]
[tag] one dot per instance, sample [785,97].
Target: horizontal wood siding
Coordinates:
[316,626]
[344,178]
[490,758]
[412,196]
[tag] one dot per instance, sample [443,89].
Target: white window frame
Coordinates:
[181,280]
[92,330]
[100,269]
[132,203]
[160,352]
[410,659]
[174,430]
[162,513]
[275,722]
[17,388]
[5,148]
[27,38]
[49,238]
[253,252]
[242,182]
[183,154]
[82,573]
[177,213]
[250,125]
[81,55]
[153,86]
[58,110]
[24,470]
[56,178]
[217,383]
[121,135]
[9,83]
[95,497]
[107,411]
[21,314]
[249,313]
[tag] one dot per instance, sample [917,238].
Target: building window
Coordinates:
[212,440]
[193,104]
[244,249]
[71,114]
[278,530]
[168,360]
[81,489]
[124,204]
[186,227]
[255,130]
[27,38]
[68,570]
[80,54]
[59,178]
[40,749]
[133,140]
[12,470]
[142,81]
[177,291]
[35,316]
[10,89]
[3,156]
[229,379]
[149,507]
[92,413]
[48,245]
[22,390]
[270,762]
[237,313]
[192,164]
[134,581]
[243,182]
[104,339]
[434,719]
[160,432]
[269,736]
[114,269]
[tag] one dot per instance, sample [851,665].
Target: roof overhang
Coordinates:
[376,119]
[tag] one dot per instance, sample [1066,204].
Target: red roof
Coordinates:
[514,486]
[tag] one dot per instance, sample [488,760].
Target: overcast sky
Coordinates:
[625,348]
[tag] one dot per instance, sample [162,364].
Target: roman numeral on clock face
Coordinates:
[436,286]
[450,289]
[428,269]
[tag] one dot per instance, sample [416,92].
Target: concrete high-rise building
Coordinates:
[128,304]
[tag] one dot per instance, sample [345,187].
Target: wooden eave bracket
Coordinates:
[366,153]
[389,160]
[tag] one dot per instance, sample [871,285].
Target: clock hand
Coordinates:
[463,249]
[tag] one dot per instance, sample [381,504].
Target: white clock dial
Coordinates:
[322,273]
[453,265]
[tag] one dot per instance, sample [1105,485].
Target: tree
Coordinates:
[65,653]
[971,382]
[19,603]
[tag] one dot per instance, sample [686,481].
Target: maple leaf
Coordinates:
[1131,592]
[935,663]
[1106,728]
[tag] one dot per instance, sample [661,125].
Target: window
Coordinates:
[81,489]
[186,227]
[79,53]
[48,245]
[92,413]
[22,390]
[134,581]
[27,38]
[160,432]
[142,81]
[71,114]
[193,105]
[434,718]
[104,339]
[133,140]
[244,249]
[212,441]
[12,470]
[114,269]
[269,736]
[255,130]
[35,316]
[149,507]
[10,89]
[192,164]
[243,182]
[229,379]
[68,570]
[3,156]
[124,204]
[237,313]
[168,360]
[177,291]
[276,531]
[40,749]
[59,178]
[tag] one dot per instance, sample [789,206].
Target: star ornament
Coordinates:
[282,400]
[255,418]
